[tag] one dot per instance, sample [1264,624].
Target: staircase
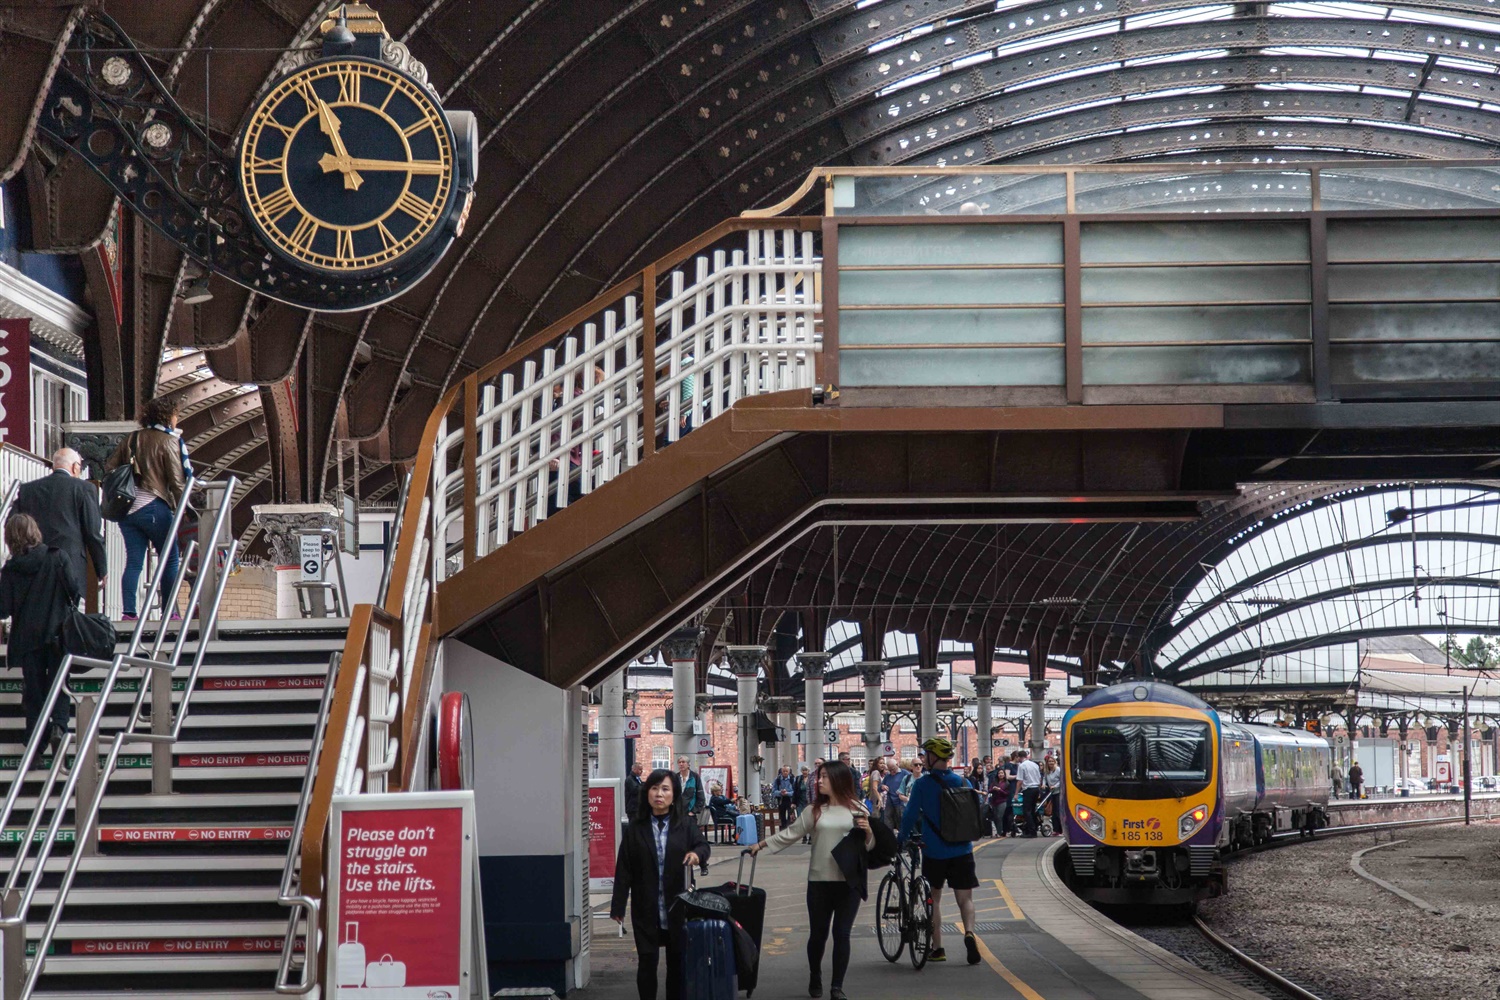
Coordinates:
[182,897]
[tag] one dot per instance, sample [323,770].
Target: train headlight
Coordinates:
[1192,821]
[1090,820]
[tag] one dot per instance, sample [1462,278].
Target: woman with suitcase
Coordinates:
[831,898]
[660,840]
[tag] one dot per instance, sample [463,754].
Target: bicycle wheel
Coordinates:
[919,902]
[889,908]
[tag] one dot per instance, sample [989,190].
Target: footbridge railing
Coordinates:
[734,314]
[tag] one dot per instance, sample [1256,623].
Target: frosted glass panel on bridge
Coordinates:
[1109,324]
[1229,191]
[951,194]
[1413,239]
[1382,282]
[967,367]
[1039,243]
[1229,242]
[1257,364]
[1425,188]
[1196,284]
[948,287]
[1461,361]
[920,327]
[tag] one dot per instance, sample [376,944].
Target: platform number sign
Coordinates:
[632,727]
[311,554]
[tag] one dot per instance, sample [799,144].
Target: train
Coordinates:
[1157,788]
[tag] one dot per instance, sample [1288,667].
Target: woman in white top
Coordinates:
[835,811]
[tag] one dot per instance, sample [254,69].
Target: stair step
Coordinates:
[156,930]
[269,960]
[158,895]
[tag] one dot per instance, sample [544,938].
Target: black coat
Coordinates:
[67,511]
[635,874]
[37,591]
[632,793]
[799,790]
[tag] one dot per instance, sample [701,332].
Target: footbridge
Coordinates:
[1013,407]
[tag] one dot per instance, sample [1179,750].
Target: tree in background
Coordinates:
[1480,652]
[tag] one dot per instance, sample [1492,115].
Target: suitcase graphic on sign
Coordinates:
[351,957]
[385,972]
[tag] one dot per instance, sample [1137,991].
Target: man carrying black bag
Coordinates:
[39,589]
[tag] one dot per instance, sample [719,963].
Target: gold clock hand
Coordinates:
[331,163]
[329,123]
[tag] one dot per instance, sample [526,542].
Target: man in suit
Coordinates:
[633,789]
[66,508]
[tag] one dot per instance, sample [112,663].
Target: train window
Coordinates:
[1140,758]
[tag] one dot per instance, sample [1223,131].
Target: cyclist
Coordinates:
[943,862]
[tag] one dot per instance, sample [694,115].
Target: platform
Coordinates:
[1039,942]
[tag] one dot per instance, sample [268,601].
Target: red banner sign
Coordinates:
[400,902]
[259,683]
[604,834]
[184,946]
[15,382]
[172,834]
[242,760]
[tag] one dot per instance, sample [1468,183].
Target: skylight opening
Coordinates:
[1192,15]
[1065,75]
[1468,66]
[1174,92]
[1051,39]
[1335,88]
[1406,57]
[1446,20]
[1177,57]
[975,59]
[1071,109]
[1356,11]
[911,81]
[1459,102]
[917,32]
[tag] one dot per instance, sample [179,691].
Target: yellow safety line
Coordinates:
[1010,977]
[1010,900]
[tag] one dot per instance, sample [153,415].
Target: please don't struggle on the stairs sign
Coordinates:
[401,896]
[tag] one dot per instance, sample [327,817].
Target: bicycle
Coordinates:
[903,908]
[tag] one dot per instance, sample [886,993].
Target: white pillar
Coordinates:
[928,679]
[813,665]
[745,663]
[612,726]
[984,689]
[1038,691]
[872,672]
[681,650]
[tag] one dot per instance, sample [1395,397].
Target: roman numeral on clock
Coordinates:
[307,230]
[345,238]
[414,205]
[277,204]
[349,81]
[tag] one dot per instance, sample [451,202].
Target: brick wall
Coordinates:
[250,594]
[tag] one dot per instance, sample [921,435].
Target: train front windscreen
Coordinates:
[1141,758]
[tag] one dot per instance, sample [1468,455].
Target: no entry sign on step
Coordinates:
[400,896]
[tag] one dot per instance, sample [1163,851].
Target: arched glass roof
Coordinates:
[1331,571]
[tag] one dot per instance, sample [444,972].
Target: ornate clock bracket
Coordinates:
[109,107]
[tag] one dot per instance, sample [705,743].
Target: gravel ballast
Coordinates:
[1303,911]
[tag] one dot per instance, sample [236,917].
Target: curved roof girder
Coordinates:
[1250,582]
[1311,642]
[1288,607]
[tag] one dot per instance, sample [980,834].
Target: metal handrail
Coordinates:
[13,923]
[291,894]
[390,552]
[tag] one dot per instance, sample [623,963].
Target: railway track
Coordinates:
[1224,958]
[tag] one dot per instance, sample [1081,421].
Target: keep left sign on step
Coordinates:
[400,896]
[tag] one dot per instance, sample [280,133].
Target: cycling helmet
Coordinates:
[939,746]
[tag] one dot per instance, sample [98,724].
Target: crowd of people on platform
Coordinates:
[852,822]
[55,532]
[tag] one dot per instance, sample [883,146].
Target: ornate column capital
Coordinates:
[682,644]
[872,672]
[283,524]
[96,440]
[1038,689]
[813,665]
[984,686]
[928,678]
[745,661]
[701,704]
[781,703]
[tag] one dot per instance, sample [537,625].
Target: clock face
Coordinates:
[347,166]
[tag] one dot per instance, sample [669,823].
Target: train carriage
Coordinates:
[1157,787]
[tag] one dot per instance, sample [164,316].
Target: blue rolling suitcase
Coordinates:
[707,944]
[748,828]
